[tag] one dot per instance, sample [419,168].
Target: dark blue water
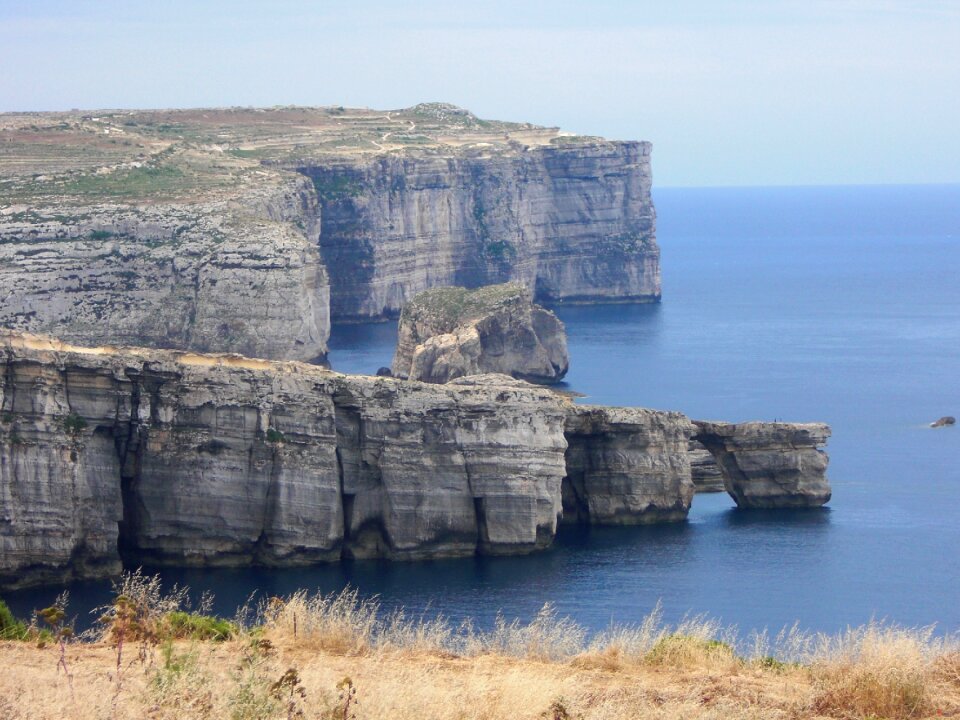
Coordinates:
[833,304]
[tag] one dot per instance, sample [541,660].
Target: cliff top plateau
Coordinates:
[151,155]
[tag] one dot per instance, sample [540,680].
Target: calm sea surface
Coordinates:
[832,304]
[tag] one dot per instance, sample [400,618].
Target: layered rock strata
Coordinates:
[237,275]
[226,229]
[770,465]
[451,332]
[626,466]
[215,459]
[111,454]
[571,222]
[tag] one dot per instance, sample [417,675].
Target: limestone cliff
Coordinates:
[110,454]
[226,229]
[240,273]
[184,458]
[451,332]
[626,466]
[572,222]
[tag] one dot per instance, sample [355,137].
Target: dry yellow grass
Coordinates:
[338,657]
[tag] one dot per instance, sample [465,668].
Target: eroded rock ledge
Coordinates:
[770,465]
[452,332]
[110,454]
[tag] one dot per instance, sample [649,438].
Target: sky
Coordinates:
[730,92]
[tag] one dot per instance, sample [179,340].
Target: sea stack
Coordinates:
[451,332]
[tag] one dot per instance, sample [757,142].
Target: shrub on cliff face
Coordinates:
[73,424]
[275,436]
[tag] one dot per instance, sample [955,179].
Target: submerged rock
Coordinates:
[452,332]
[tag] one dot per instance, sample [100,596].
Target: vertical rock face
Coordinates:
[770,465]
[573,223]
[243,275]
[230,464]
[433,474]
[446,333]
[626,466]
[59,474]
[185,458]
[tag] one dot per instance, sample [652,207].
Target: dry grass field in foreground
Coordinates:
[337,657]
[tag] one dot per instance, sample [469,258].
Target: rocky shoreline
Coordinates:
[115,454]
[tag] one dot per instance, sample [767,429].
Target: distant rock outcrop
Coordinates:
[706,474]
[452,332]
[237,274]
[573,221]
[944,421]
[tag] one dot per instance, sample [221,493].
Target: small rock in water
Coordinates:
[944,421]
[384,372]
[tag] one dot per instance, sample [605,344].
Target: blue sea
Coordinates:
[835,304]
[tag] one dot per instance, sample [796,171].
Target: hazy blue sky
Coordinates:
[730,92]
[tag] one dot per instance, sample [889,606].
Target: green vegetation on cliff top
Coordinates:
[125,156]
[449,307]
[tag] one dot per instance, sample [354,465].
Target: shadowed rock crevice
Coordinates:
[706,474]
